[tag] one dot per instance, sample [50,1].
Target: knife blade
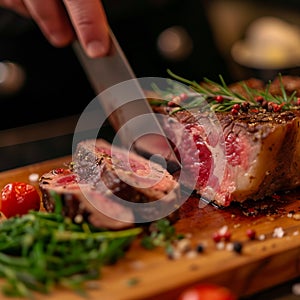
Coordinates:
[125,104]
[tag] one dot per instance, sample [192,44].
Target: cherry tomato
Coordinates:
[207,291]
[17,198]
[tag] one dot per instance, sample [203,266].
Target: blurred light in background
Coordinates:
[174,43]
[12,78]
[269,43]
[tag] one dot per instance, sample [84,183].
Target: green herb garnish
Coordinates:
[40,250]
[220,98]
[161,234]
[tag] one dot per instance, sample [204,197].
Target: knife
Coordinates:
[125,104]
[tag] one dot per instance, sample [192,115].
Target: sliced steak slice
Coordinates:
[105,183]
[65,183]
[128,177]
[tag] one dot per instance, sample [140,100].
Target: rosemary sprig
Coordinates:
[221,98]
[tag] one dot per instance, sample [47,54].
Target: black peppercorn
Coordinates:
[200,248]
[237,247]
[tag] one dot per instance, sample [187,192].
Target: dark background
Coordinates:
[56,87]
[38,119]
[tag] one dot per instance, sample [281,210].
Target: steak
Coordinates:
[255,152]
[114,188]
[65,183]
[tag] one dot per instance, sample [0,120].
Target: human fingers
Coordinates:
[53,20]
[15,5]
[90,24]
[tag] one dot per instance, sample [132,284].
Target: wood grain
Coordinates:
[261,264]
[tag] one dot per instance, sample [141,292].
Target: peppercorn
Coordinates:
[245,106]
[172,104]
[227,236]
[237,247]
[217,237]
[219,99]
[234,111]
[222,234]
[200,248]
[259,99]
[264,104]
[251,234]
[236,106]
[183,96]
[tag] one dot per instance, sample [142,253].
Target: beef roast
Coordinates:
[262,155]
[255,153]
[107,181]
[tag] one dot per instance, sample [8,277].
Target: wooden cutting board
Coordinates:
[150,274]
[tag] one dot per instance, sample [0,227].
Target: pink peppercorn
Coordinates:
[183,96]
[251,234]
[277,107]
[234,111]
[171,103]
[227,236]
[259,99]
[217,237]
[236,106]
[219,99]
[222,234]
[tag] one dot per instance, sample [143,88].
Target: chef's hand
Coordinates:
[62,20]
